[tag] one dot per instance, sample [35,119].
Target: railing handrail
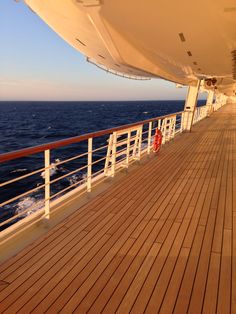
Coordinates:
[72,140]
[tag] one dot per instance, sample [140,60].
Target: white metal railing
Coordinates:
[120,147]
[200,113]
[217,106]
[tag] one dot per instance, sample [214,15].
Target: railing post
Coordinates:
[109,150]
[135,145]
[196,115]
[167,130]
[149,137]
[163,130]
[128,148]
[140,142]
[173,126]
[113,159]
[219,101]
[209,102]
[89,165]
[181,124]
[47,182]
[205,112]
[223,100]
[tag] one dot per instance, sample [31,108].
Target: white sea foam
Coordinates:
[76,178]
[73,179]
[29,205]
[18,170]
[53,169]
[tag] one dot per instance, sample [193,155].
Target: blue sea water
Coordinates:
[25,124]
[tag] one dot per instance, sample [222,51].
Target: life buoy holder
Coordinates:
[157,141]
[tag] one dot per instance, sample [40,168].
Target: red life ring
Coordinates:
[157,140]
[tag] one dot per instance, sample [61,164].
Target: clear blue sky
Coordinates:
[36,64]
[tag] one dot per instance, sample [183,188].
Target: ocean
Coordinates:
[25,124]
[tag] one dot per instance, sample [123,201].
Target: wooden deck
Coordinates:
[161,240]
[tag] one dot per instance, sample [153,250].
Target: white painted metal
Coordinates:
[173,126]
[209,102]
[109,150]
[149,137]
[167,130]
[199,114]
[113,158]
[163,130]
[89,166]
[47,183]
[219,101]
[182,122]
[140,131]
[128,148]
[190,106]
[137,143]
[135,146]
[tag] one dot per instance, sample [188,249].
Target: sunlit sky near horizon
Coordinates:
[36,64]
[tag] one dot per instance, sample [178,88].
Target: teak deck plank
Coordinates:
[161,240]
[210,302]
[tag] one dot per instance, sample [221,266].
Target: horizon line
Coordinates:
[129,100]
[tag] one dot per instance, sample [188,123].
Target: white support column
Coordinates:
[190,106]
[47,182]
[209,102]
